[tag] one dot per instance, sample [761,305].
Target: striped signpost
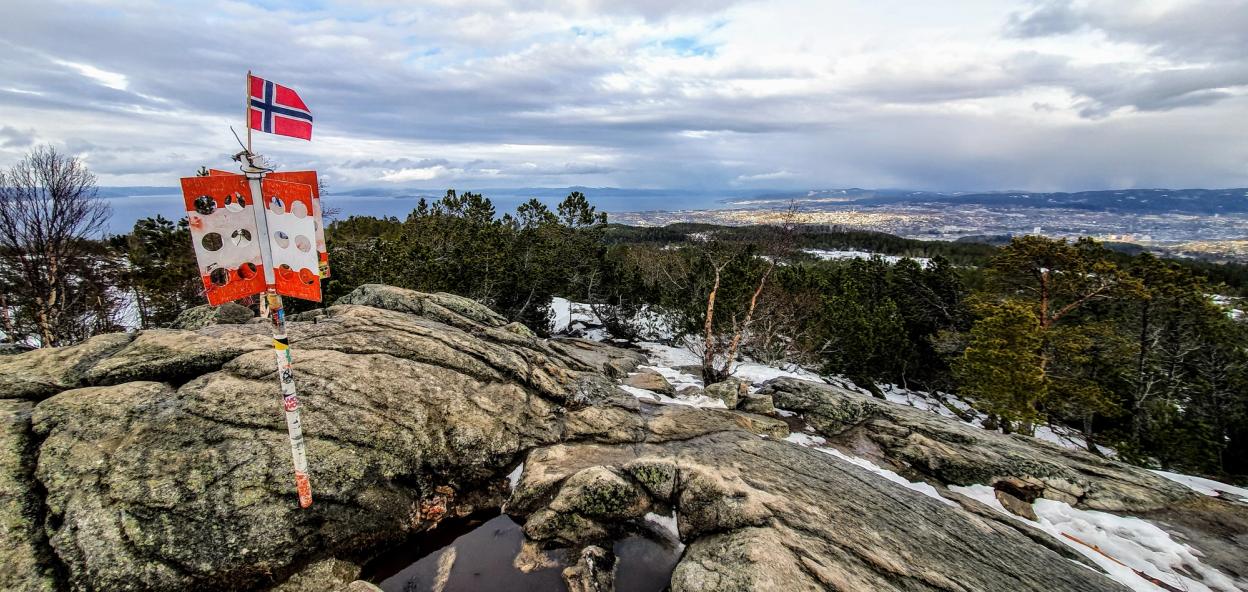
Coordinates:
[290,400]
[261,233]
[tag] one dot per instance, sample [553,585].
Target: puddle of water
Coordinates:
[645,565]
[478,556]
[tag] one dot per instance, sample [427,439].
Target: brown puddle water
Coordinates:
[477,555]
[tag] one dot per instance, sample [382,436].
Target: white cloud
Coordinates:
[772,176]
[418,174]
[111,80]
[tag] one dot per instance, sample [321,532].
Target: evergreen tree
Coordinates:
[161,270]
[1002,369]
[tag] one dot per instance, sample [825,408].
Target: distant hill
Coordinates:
[1187,201]
[1190,201]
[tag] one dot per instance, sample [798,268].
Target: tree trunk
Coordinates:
[708,354]
[1088,438]
[1137,403]
[6,320]
[749,318]
[46,336]
[1044,299]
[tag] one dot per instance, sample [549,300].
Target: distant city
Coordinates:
[1210,224]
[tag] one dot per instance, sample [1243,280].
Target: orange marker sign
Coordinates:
[227,243]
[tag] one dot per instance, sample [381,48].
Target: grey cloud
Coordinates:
[1195,30]
[567,168]
[366,78]
[650,9]
[11,137]
[1047,18]
[578,168]
[1162,90]
[1101,89]
[395,163]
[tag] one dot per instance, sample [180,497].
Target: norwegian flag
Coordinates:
[277,109]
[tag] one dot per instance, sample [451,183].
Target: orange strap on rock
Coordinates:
[1151,579]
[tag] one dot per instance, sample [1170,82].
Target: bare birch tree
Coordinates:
[719,351]
[49,212]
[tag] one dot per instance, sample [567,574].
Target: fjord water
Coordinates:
[127,208]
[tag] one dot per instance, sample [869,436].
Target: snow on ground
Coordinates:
[565,316]
[514,476]
[666,524]
[1207,486]
[918,400]
[939,404]
[760,373]
[690,401]
[667,359]
[1069,438]
[806,440]
[677,378]
[674,357]
[666,355]
[919,486]
[1133,544]
[578,318]
[853,254]
[817,443]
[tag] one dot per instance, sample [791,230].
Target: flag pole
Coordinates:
[247,112]
[290,401]
[271,306]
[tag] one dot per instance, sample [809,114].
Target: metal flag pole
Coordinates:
[247,112]
[272,306]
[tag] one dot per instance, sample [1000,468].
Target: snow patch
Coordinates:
[1134,544]
[817,443]
[805,439]
[694,401]
[919,486]
[567,316]
[675,377]
[667,524]
[1206,486]
[514,476]
[917,399]
[666,355]
[827,255]
[760,373]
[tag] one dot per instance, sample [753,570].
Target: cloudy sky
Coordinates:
[710,94]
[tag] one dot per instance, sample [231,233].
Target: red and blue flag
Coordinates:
[277,109]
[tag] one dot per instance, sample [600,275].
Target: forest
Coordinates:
[1132,350]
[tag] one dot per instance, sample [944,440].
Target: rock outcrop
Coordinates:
[929,446]
[158,460]
[207,315]
[730,391]
[760,514]
[28,567]
[163,463]
[650,380]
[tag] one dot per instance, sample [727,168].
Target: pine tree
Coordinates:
[1002,368]
[161,270]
